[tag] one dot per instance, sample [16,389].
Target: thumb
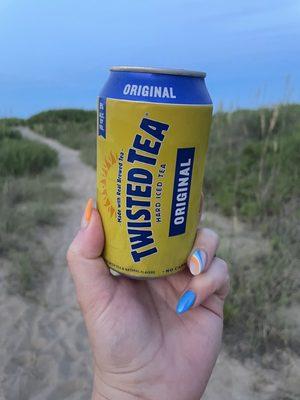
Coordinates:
[89,241]
[93,282]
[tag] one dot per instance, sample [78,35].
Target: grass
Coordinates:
[29,193]
[252,175]
[12,122]
[73,128]
[21,156]
[257,172]
[257,181]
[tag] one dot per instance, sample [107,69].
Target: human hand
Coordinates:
[142,347]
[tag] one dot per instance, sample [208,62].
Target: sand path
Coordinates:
[46,354]
[43,345]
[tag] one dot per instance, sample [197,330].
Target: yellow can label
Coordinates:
[150,166]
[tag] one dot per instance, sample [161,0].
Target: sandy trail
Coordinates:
[46,355]
[43,346]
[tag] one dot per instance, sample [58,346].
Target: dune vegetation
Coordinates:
[73,128]
[252,176]
[29,193]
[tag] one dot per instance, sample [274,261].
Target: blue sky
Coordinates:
[56,53]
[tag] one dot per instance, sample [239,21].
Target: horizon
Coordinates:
[60,53]
[215,109]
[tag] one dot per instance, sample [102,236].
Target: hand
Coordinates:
[142,347]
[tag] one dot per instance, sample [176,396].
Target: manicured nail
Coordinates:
[87,214]
[185,302]
[197,262]
[113,272]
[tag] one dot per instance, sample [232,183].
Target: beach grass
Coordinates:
[73,128]
[30,189]
[257,180]
[252,176]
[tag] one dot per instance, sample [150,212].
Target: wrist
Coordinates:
[104,391]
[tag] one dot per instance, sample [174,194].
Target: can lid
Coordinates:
[152,70]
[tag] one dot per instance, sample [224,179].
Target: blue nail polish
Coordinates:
[185,302]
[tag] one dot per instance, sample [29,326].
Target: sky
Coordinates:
[57,53]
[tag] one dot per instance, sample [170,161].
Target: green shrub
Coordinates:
[8,133]
[12,122]
[62,116]
[252,174]
[29,192]
[72,128]
[257,172]
[20,157]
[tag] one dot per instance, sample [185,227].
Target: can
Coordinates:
[152,137]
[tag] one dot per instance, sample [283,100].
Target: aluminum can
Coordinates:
[152,137]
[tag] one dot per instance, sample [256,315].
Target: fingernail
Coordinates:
[197,261]
[185,302]
[87,214]
[113,272]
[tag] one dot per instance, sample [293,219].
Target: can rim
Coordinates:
[164,71]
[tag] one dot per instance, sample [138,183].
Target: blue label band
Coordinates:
[156,88]
[102,117]
[181,191]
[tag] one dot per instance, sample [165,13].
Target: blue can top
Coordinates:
[156,86]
